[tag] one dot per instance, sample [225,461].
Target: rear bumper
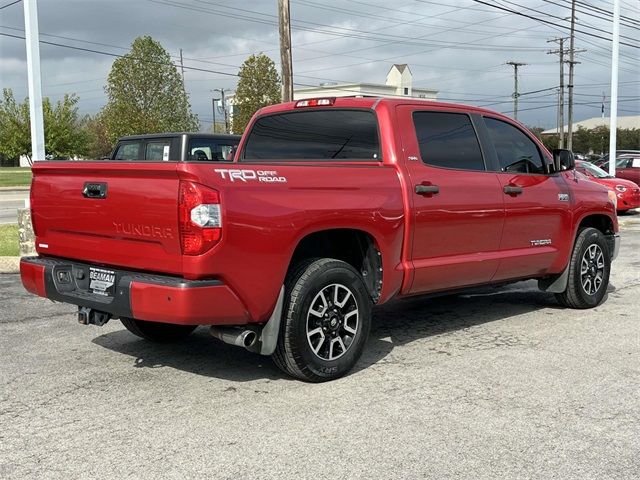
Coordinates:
[136,295]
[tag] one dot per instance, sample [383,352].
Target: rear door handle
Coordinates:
[512,190]
[427,189]
[94,190]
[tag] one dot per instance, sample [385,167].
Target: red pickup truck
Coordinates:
[329,207]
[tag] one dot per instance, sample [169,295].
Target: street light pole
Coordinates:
[33,75]
[615,52]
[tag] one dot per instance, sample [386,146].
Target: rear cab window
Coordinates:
[314,135]
[448,140]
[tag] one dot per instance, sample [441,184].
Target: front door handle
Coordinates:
[427,189]
[512,190]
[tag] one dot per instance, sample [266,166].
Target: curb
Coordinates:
[9,264]
[22,188]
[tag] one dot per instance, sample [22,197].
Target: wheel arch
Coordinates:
[354,246]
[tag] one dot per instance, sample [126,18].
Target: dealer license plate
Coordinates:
[102,281]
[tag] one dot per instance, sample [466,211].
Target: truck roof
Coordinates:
[215,136]
[371,102]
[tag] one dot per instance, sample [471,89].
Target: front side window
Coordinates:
[211,150]
[128,151]
[314,135]
[517,153]
[448,140]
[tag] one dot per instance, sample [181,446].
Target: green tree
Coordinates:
[258,86]
[146,94]
[64,135]
[99,144]
[15,139]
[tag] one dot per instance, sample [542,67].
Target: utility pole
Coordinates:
[182,70]
[32,37]
[560,51]
[285,50]
[571,68]
[615,52]
[515,66]
[224,110]
[213,105]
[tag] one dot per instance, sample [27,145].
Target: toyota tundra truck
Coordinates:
[330,207]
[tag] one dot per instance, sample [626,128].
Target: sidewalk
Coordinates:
[9,264]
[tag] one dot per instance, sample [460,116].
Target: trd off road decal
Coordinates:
[264,176]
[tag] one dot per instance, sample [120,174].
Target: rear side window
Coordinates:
[128,151]
[314,135]
[211,150]
[516,152]
[157,150]
[448,140]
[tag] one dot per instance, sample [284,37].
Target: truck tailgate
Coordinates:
[111,213]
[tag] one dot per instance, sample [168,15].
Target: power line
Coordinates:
[550,23]
[9,4]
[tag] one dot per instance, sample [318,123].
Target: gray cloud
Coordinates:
[456,46]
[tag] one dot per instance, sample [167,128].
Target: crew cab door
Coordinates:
[537,203]
[457,204]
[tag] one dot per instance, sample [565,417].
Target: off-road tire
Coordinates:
[294,354]
[575,295]
[156,331]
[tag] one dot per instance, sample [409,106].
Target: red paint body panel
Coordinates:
[471,233]
[187,306]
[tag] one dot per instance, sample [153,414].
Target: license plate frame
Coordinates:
[102,281]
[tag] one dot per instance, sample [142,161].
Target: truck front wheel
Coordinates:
[156,331]
[589,269]
[326,321]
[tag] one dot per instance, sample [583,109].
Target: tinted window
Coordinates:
[128,151]
[157,151]
[207,149]
[448,140]
[516,151]
[314,135]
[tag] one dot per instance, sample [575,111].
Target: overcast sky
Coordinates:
[458,47]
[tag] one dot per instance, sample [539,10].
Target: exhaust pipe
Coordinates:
[235,336]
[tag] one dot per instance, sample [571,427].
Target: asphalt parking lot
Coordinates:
[499,384]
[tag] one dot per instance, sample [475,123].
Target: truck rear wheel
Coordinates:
[589,269]
[157,331]
[326,321]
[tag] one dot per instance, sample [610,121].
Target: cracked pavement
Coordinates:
[499,383]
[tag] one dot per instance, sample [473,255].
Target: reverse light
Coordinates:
[315,102]
[621,188]
[199,218]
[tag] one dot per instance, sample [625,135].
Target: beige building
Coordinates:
[626,122]
[399,83]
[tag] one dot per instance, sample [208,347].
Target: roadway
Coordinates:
[499,384]
[10,201]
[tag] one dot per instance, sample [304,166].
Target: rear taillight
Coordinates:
[199,217]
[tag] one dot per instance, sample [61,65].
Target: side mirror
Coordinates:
[563,160]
